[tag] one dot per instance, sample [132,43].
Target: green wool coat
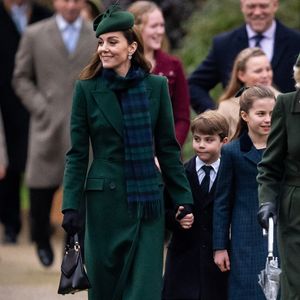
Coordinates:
[124,255]
[279,182]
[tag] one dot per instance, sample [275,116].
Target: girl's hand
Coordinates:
[221,259]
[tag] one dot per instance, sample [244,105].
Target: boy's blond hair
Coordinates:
[210,122]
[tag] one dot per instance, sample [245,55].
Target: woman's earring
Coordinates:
[129,56]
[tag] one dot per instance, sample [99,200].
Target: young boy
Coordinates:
[190,272]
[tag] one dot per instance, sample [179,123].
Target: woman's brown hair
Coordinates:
[138,58]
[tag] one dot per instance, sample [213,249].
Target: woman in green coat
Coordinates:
[126,114]
[279,186]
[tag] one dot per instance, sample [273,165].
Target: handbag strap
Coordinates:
[72,242]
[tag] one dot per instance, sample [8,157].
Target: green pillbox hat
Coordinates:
[297,64]
[113,19]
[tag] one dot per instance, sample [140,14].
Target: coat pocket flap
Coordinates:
[94,184]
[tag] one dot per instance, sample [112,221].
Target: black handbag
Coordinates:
[73,275]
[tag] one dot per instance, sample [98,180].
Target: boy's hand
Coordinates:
[185,217]
[221,259]
[183,210]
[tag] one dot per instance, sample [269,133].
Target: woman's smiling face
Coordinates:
[153,30]
[258,71]
[113,50]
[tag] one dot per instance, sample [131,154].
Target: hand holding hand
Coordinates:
[183,210]
[266,210]
[72,222]
[185,216]
[221,259]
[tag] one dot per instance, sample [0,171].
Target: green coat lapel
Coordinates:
[108,103]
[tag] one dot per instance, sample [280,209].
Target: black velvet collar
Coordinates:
[245,142]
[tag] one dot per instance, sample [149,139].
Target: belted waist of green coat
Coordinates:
[292,180]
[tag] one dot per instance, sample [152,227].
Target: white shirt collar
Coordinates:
[63,24]
[268,34]
[19,8]
[199,163]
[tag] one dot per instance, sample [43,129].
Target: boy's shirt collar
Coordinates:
[199,163]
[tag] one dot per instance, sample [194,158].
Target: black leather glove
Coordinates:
[72,222]
[266,210]
[186,210]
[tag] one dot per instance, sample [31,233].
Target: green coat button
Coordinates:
[112,185]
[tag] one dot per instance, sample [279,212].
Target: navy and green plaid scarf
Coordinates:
[143,194]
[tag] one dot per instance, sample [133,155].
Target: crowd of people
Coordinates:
[94,103]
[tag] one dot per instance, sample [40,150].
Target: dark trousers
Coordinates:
[10,187]
[40,209]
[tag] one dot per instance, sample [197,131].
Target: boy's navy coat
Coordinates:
[191,273]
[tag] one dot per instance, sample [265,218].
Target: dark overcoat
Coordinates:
[235,209]
[124,255]
[15,116]
[217,66]
[279,182]
[190,272]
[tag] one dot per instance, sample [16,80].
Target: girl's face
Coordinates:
[153,30]
[207,147]
[258,71]
[258,118]
[113,50]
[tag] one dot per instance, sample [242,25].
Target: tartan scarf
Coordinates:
[143,196]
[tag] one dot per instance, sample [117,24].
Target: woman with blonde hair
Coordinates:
[251,67]
[150,22]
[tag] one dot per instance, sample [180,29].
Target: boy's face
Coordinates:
[208,147]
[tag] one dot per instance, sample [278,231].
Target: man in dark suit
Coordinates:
[261,29]
[15,15]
